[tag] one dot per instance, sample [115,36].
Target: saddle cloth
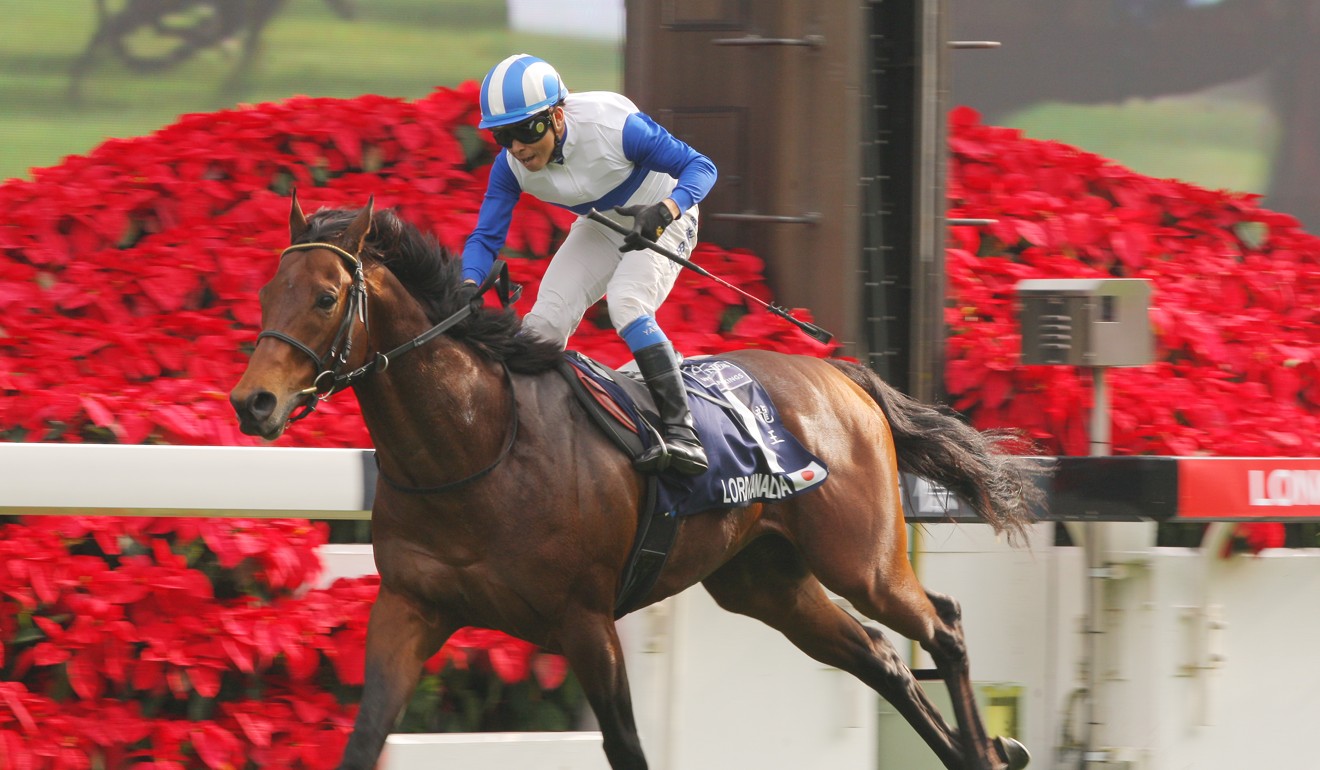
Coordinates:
[753,457]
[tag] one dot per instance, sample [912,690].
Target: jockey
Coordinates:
[595,150]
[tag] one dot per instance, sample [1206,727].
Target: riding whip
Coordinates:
[811,330]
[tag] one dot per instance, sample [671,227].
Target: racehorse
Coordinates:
[500,505]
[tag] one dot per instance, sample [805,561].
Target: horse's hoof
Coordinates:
[1012,752]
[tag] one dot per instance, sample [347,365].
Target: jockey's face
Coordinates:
[536,155]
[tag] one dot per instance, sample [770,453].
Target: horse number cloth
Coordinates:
[753,458]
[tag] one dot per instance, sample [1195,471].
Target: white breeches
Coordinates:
[589,266]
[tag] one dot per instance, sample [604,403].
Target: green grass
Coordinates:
[403,48]
[406,48]
[1208,140]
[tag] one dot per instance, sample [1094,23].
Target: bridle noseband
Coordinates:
[329,381]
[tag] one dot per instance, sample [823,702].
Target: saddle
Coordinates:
[753,458]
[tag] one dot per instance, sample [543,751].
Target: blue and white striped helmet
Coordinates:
[517,88]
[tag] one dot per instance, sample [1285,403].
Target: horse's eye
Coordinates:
[326,301]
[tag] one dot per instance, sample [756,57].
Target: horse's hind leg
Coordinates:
[880,584]
[957,677]
[591,644]
[769,582]
[399,641]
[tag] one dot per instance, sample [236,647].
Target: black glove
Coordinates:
[468,292]
[649,222]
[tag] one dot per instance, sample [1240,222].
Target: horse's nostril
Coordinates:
[261,404]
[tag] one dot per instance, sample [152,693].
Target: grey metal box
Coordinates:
[1086,321]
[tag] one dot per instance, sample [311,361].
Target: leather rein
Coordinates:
[329,381]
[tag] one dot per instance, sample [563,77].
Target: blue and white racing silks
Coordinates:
[613,155]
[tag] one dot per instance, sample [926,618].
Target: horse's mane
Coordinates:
[433,277]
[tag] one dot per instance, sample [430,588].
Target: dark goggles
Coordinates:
[529,131]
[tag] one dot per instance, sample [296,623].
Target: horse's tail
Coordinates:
[931,442]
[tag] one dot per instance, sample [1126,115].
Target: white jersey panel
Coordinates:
[594,164]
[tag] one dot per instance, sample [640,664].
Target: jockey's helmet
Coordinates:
[517,88]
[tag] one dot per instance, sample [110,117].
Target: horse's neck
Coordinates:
[435,411]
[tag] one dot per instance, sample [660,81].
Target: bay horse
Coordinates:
[500,505]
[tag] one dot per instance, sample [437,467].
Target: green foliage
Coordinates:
[469,700]
[401,48]
[1221,141]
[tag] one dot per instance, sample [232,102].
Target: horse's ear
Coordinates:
[356,234]
[297,222]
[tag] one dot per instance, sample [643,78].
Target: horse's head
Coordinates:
[311,311]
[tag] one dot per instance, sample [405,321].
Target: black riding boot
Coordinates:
[682,450]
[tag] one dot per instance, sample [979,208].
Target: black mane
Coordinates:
[433,277]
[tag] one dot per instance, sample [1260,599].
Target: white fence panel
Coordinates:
[495,751]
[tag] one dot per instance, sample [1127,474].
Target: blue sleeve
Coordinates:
[649,145]
[502,193]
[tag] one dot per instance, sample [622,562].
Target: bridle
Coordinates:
[329,381]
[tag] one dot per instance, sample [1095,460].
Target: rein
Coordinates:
[328,380]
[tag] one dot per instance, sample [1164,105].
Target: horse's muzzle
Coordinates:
[257,413]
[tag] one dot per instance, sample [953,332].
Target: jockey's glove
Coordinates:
[649,223]
[468,291]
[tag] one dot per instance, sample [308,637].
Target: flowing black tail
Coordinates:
[931,442]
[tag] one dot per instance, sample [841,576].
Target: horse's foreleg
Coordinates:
[399,640]
[591,645]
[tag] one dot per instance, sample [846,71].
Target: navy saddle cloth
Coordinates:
[753,458]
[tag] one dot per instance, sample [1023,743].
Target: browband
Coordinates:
[305,246]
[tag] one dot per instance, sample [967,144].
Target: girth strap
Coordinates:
[655,536]
[657,531]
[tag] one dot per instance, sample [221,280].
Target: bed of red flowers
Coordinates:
[1236,305]
[179,643]
[127,309]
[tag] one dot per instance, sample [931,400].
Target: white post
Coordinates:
[1094,547]
[1101,444]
